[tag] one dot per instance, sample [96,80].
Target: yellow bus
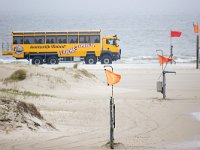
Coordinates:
[53,47]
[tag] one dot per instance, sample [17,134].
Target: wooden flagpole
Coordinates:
[112,116]
[197,52]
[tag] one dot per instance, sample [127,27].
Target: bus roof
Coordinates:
[58,32]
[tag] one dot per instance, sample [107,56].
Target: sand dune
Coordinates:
[76,102]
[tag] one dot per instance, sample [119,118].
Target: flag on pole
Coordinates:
[196,28]
[112,78]
[175,34]
[163,59]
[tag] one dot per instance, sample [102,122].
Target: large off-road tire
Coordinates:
[106,59]
[90,59]
[52,60]
[37,60]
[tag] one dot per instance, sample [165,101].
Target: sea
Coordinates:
[141,35]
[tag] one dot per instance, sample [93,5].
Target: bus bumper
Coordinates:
[6,52]
[116,56]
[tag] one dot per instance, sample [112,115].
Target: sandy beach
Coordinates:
[76,102]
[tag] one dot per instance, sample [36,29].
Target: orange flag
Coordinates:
[196,28]
[112,78]
[163,59]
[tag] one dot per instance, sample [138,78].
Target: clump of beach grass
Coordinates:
[18,75]
[115,144]
[24,93]
[86,73]
[81,73]
[75,66]
[59,68]
[77,75]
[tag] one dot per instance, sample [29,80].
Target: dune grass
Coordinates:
[59,68]
[24,93]
[81,73]
[18,75]
[75,66]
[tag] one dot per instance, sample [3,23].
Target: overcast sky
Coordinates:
[99,6]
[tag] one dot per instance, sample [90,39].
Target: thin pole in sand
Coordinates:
[171,48]
[163,74]
[164,82]
[196,31]
[197,52]
[112,116]
[164,85]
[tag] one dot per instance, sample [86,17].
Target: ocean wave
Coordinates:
[21,61]
[154,59]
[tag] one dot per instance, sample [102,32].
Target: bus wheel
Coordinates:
[37,60]
[52,60]
[90,59]
[106,59]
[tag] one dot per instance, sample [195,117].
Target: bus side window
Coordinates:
[26,41]
[64,40]
[15,42]
[84,39]
[18,40]
[61,39]
[95,39]
[50,39]
[39,39]
[29,40]
[73,39]
[81,39]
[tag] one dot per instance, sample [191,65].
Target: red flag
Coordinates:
[163,59]
[175,34]
[112,78]
[196,28]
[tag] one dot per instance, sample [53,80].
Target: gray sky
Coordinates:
[99,6]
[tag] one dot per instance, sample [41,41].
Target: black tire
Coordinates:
[37,60]
[90,59]
[52,60]
[106,59]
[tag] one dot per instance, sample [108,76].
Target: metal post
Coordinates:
[171,52]
[112,116]
[164,86]
[164,83]
[111,124]
[112,90]
[171,48]
[197,53]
